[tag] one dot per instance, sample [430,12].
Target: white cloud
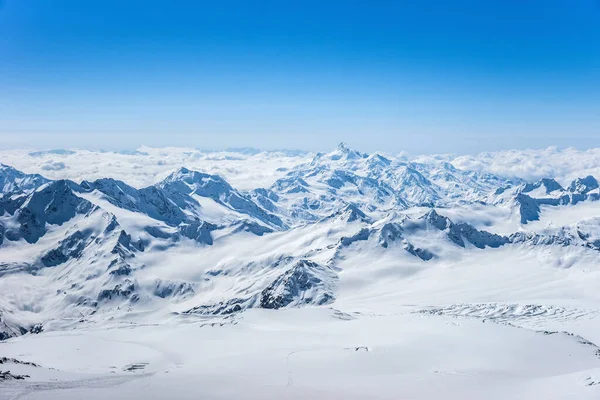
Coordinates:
[563,165]
[149,165]
[249,170]
[53,166]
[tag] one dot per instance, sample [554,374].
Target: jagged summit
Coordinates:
[13,180]
[351,213]
[343,151]
[343,147]
[29,217]
[379,159]
[185,182]
[433,219]
[529,199]
[549,185]
[583,185]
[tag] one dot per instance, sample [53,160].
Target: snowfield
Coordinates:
[269,275]
[308,353]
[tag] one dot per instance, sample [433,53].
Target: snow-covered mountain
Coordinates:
[12,180]
[360,233]
[110,232]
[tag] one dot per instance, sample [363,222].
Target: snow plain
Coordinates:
[310,353]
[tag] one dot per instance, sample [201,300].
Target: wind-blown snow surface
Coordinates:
[335,275]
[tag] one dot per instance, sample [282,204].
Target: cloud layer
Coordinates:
[247,169]
[563,165]
[244,169]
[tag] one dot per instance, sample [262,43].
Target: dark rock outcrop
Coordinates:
[305,283]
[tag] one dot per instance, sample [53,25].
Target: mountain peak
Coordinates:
[189,176]
[352,213]
[549,185]
[186,181]
[377,159]
[343,147]
[438,221]
[344,152]
[583,185]
[11,179]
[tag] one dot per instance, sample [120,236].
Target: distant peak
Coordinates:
[583,185]
[344,152]
[550,184]
[352,213]
[192,177]
[439,221]
[184,172]
[378,158]
[344,147]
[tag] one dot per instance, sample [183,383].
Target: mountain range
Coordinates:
[75,252]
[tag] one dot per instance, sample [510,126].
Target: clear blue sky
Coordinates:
[421,76]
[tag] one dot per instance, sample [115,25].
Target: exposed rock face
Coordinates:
[8,376]
[198,231]
[390,233]
[363,234]
[458,233]
[537,239]
[352,213]
[265,198]
[423,254]
[9,328]
[9,360]
[37,328]
[122,290]
[150,201]
[549,185]
[583,185]
[529,208]
[70,247]
[252,227]
[188,182]
[437,221]
[12,180]
[305,283]
[479,239]
[528,202]
[53,203]
[164,289]
[220,308]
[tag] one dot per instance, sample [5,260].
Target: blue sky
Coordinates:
[419,76]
